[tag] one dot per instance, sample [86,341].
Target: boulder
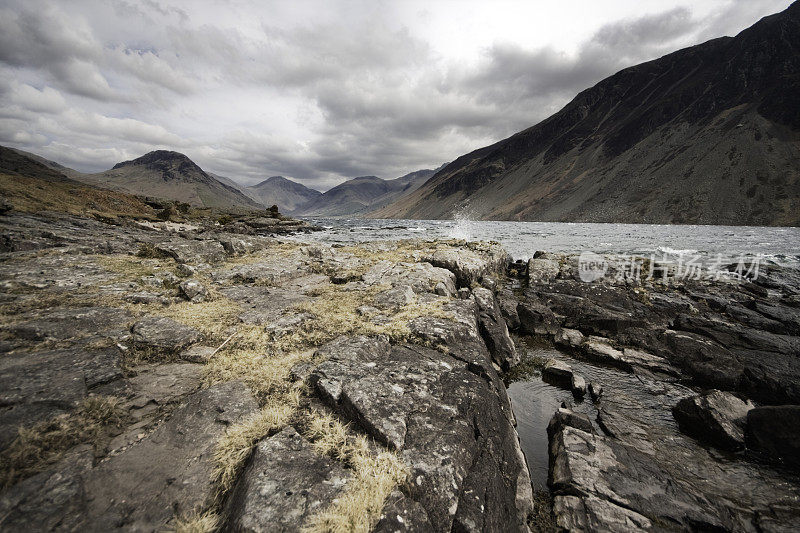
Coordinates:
[569,337]
[494,330]
[595,391]
[558,373]
[541,270]
[468,265]
[536,319]
[284,483]
[194,291]
[163,334]
[578,386]
[193,251]
[715,417]
[774,432]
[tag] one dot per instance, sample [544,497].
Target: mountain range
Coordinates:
[360,195]
[172,175]
[706,135]
[285,193]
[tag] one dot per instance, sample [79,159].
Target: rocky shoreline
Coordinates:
[202,380]
[219,377]
[686,422]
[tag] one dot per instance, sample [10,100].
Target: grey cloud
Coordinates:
[92,88]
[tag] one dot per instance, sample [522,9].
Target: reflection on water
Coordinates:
[534,403]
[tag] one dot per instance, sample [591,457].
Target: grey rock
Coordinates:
[716,417]
[198,354]
[578,386]
[709,363]
[595,391]
[537,319]
[63,324]
[401,513]
[558,373]
[494,330]
[194,291]
[421,277]
[508,308]
[575,513]
[394,298]
[51,500]
[273,272]
[186,271]
[36,386]
[569,337]
[441,289]
[284,483]
[193,251]
[488,282]
[774,432]
[146,298]
[541,270]
[566,417]
[469,266]
[459,474]
[169,472]
[163,334]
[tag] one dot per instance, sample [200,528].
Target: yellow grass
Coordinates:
[206,522]
[235,446]
[375,475]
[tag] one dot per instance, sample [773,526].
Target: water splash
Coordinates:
[465,227]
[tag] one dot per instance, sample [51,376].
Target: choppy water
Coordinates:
[522,239]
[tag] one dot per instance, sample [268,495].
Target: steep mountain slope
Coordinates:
[29,185]
[285,193]
[170,175]
[66,171]
[358,196]
[709,134]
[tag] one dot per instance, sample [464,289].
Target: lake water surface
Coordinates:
[522,239]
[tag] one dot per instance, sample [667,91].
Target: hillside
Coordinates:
[170,175]
[358,196]
[285,193]
[30,186]
[709,135]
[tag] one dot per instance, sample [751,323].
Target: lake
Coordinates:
[522,239]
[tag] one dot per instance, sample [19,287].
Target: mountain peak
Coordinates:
[159,157]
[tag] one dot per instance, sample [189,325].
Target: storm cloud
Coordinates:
[316,91]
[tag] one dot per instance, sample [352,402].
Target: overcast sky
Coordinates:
[318,91]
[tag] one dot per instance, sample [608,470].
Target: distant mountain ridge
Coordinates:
[170,175]
[709,134]
[288,195]
[358,196]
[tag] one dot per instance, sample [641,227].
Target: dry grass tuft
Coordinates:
[235,446]
[375,475]
[206,522]
[266,374]
[213,318]
[44,443]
